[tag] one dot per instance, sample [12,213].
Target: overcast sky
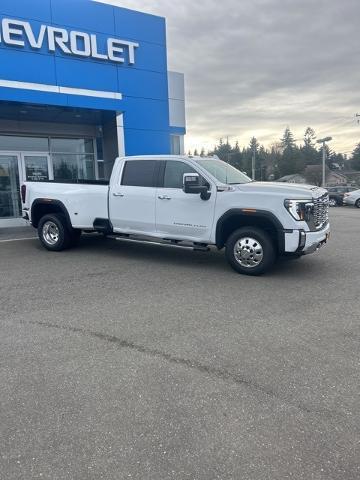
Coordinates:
[254,67]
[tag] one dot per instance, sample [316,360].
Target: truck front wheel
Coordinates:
[250,251]
[54,233]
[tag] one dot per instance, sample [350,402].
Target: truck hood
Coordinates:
[291,191]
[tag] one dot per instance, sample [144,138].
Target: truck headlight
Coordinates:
[300,210]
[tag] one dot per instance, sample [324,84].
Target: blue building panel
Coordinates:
[23,67]
[146,114]
[80,74]
[30,96]
[150,56]
[26,9]
[140,26]
[143,84]
[142,81]
[84,15]
[146,142]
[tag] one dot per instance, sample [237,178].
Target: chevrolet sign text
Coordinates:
[18,33]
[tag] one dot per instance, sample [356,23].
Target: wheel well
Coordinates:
[39,209]
[231,222]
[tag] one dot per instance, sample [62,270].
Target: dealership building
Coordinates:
[81,82]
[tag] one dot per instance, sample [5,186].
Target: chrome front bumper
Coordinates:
[316,240]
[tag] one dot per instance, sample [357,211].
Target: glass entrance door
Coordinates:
[10,206]
[35,167]
[16,168]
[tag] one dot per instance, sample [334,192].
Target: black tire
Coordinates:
[357,204]
[54,233]
[75,237]
[259,239]
[333,202]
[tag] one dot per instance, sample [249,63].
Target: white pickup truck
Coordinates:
[184,201]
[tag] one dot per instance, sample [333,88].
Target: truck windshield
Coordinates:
[223,172]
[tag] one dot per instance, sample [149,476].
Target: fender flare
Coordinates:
[48,202]
[259,214]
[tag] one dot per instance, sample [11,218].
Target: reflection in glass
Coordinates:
[72,145]
[101,170]
[10,206]
[12,143]
[73,167]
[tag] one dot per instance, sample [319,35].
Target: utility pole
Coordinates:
[254,162]
[323,142]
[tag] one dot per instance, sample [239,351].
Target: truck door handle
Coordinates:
[118,195]
[164,197]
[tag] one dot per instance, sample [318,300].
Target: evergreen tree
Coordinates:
[355,160]
[287,141]
[223,151]
[282,158]
[287,164]
[309,138]
[254,145]
[261,164]
[236,157]
[309,154]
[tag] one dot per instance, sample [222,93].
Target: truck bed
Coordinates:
[84,200]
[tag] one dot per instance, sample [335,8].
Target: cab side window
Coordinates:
[174,173]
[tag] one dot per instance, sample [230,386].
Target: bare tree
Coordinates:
[313,174]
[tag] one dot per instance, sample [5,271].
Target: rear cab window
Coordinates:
[140,173]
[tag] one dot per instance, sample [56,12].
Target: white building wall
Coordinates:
[177,99]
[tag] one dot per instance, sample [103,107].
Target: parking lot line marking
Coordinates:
[17,239]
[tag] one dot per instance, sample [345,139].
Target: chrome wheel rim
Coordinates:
[50,233]
[248,252]
[332,203]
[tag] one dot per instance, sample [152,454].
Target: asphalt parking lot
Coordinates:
[124,361]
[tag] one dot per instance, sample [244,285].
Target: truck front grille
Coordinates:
[321,211]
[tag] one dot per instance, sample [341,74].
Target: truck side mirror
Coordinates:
[191,185]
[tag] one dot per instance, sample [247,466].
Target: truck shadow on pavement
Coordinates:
[161,255]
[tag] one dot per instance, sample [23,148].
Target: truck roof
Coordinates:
[169,157]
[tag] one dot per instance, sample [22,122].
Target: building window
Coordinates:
[175,144]
[13,143]
[73,167]
[99,148]
[72,145]
[73,158]
[101,169]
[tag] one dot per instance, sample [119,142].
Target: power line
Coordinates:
[349,122]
